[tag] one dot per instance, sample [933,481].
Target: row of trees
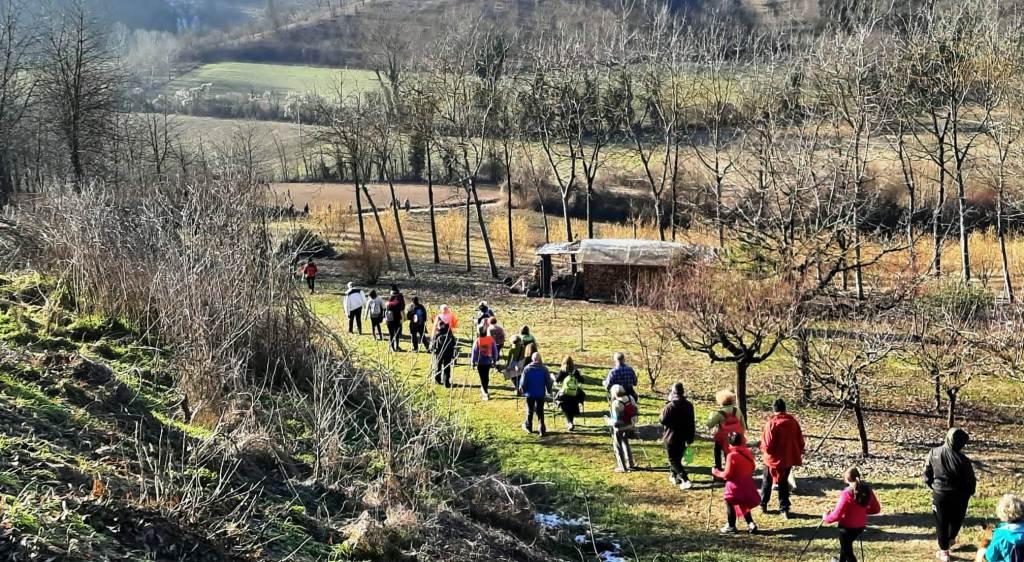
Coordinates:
[853,135]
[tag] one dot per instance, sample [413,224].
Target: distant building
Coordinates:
[607,267]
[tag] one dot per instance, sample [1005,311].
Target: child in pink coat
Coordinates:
[851,513]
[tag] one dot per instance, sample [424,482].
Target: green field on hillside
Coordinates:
[240,77]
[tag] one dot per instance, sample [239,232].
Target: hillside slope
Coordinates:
[99,461]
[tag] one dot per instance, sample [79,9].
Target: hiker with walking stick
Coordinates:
[855,504]
[570,392]
[680,425]
[740,493]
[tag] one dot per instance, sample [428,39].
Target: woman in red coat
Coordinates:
[740,494]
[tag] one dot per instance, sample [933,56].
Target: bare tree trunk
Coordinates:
[1003,259]
[380,227]
[674,212]
[718,212]
[359,208]
[469,261]
[803,359]
[491,264]
[543,214]
[965,254]
[508,205]
[862,430]
[937,392]
[590,199]
[568,228]
[937,233]
[430,198]
[398,224]
[951,396]
[741,386]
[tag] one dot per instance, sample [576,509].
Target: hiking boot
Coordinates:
[620,470]
[752,528]
[526,428]
[570,426]
[727,530]
[942,555]
[542,432]
[673,479]
[685,485]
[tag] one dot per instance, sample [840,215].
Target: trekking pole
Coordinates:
[814,535]
[862,558]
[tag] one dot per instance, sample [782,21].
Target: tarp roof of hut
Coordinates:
[626,251]
[559,248]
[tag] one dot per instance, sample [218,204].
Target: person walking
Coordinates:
[497,333]
[483,357]
[375,312]
[855,503]
[483,314]
[417,317]
[514,363]
[622,375]
[949,474]
[447,317]
[354,302]
[725,420]
[394,311]
[570,394]
[679,421]
[442,349]
[535,384]
[740,493]
[622,415]
[782,448]
[308,271]
[1007,542]
[529,341]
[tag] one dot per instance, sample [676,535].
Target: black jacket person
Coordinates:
[950,476]
[680,429]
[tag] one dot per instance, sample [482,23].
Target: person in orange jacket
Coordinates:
[447,317]
[782,448]
[740,493]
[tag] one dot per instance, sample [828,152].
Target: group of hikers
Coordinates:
[948,472]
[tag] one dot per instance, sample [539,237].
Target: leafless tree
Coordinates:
[80,86]
[725,315]
[845,367]
[16,88]
[466,67]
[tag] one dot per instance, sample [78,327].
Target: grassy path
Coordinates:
[571,473]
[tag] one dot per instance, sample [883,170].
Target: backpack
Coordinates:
[418,316]
[570,386]
[628,414]
[391,316]
[376,308]
[730,424]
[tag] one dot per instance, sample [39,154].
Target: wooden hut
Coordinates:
[601,269]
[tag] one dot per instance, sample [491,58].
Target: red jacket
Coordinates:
[308,270]
[740,491]
[850,514]
[782,442]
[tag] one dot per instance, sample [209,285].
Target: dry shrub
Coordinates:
[334,223]
[451,234]
[524,237]
[191,264]
[370,259]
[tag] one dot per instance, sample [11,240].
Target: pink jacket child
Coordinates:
[851,513]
